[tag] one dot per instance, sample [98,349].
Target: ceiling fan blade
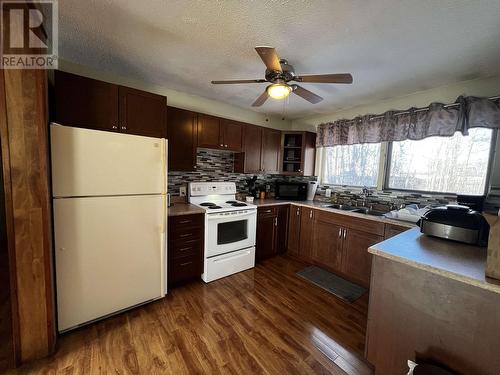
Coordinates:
[325,78]
[306,94]
[239,81]
[260,100]
[270,57]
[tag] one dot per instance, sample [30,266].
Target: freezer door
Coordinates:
[110,254]
[97,163]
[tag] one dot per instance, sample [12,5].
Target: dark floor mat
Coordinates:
[332,283]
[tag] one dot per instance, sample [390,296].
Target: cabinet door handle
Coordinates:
[221,145]
[345,233]
[124,128]
[225,146]
[115,127]
[268,211]
[184,221]
[298,212]
[275,221]
[184,249]
[185,264]
[186,235]
[340,232]
[311,214]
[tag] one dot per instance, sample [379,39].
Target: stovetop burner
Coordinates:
[207,204]
[238,204]
[214,207]
[231,202]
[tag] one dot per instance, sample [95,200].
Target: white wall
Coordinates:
[445,94]
[181,99]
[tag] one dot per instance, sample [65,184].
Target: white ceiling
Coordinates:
[391,48]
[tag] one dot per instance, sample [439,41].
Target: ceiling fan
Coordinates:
[279,72]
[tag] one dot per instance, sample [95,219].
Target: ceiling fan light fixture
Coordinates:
[278,90]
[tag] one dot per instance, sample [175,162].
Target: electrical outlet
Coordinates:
[182,191]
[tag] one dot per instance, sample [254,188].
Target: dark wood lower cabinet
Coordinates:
[306,234]
[357,261]
[327,246]
[185,248]
[294,231]
[334,241]
[265,244]
[272,231]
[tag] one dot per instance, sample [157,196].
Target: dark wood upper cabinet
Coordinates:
[181,134]
[250,160]
[209,135]
[231,134]
[270,158]
[298,153]
[142,113]
[85,102]
[219,133]
[89,103]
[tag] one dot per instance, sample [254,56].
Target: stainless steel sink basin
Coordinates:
[368,211]
[361,210]
[340,207]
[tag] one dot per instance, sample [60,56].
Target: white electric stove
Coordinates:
[230,228]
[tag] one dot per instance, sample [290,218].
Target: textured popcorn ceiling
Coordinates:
[391,48]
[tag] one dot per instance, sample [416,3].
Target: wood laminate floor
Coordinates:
[262,321]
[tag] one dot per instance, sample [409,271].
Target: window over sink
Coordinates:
[353,165]
[457,164]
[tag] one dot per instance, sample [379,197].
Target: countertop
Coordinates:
[321,206]
[450,259]
[184,209]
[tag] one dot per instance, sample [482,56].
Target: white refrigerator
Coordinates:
[109,202]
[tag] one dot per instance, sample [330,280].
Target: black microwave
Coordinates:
[296,191]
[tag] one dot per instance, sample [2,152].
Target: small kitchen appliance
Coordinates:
[311,190]
[230,228]
[288,190]
[457,223]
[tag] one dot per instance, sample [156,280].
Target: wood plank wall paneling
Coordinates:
[28,168]
[9,332]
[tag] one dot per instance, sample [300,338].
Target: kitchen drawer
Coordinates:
[181,249]
[184,268]
[185,234]
[267,211]
[181,221]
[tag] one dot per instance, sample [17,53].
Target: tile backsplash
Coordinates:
[213,165]
[381,200]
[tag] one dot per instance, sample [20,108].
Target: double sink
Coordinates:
[361,210]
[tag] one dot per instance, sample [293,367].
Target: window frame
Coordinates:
[385,168]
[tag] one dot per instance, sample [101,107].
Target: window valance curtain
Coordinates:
[415,124]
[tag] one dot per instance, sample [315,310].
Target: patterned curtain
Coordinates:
[414,123]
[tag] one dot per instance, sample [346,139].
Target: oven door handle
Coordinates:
[232,216]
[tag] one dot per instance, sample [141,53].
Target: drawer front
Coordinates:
[365,225]
[184,268]
[267,211]
[180,249]
[185,234]
[177,222]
